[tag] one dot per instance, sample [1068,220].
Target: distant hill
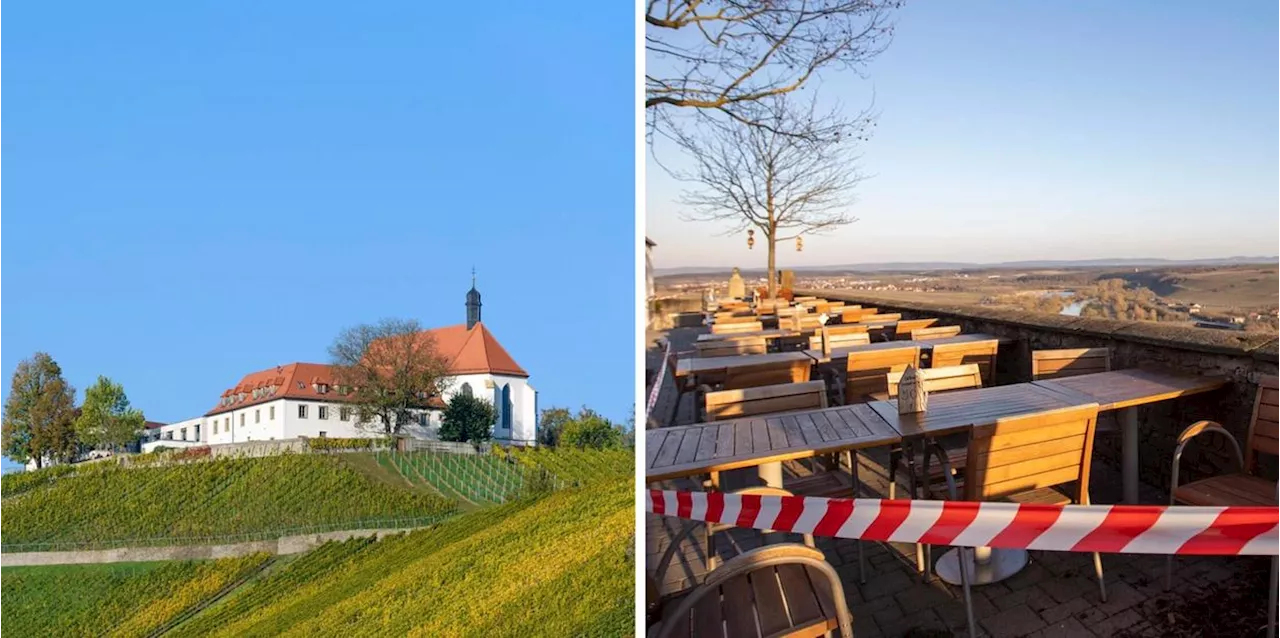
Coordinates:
[916,266]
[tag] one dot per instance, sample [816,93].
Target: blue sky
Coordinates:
[1026,130]
[199,190]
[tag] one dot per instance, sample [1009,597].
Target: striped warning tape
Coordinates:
[1127,529]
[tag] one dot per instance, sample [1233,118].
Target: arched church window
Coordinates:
[506,407]
[466,389]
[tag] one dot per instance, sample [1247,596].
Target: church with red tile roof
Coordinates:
[300,399]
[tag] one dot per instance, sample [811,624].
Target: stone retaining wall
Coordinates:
[284,545]
[1241,357]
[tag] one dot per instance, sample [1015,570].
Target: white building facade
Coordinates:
[301,399]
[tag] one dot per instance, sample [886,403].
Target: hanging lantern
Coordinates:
[751,238]
[799,244]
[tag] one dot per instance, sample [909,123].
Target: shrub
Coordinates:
[328,444]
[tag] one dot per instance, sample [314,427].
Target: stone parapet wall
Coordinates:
[1242,358]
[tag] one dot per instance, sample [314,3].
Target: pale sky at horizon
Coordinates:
[1136,129]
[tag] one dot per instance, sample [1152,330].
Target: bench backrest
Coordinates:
[770,399]
[853,314]
[936,332]
[734,317]
[942,379]
[983,353]
[730,328]
[730,347]
[1055,364]
[840,339]
[903,330]
[1262,428]
[883,317]
[1031,451]
[867,372]
[795,371]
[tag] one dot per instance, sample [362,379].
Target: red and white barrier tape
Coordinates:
[1126,529]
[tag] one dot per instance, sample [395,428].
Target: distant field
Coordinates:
[555,566]
[1244,288]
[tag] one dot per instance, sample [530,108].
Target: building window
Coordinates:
[271,413]
[215,427]
[506,407]
[323,434]
[197,428]
[226,424]
[302,412]
[323,412]
[169,435]
[184,434]
[257,416]
[466,389]
[344,414]
[423,417]
[242,419]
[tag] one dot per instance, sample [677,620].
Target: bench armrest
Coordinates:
[1192,431]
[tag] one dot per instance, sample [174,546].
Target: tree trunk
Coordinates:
[773,271]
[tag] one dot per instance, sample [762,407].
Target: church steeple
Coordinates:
[473,302]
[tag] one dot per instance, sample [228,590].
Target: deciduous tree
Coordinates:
[725,56]
[783,185]
[550,425]
[468,418]
[39,412]
[387,370]
[106,419]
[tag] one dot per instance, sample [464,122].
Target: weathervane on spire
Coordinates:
[473,276]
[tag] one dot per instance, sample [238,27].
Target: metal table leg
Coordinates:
[1129,431]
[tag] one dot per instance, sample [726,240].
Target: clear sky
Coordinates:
[198,190]
[1059,130]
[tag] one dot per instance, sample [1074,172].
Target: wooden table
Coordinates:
[1125,390]
[762,441]
[960,410]
[704,365]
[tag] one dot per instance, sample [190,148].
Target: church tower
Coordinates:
[473,303]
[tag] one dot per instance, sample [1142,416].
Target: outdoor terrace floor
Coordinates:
[1055,595]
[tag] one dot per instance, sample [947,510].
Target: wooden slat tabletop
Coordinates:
[960,410]
[1127,388]
[748,442]
[702,365]
[773,333]
[925,346]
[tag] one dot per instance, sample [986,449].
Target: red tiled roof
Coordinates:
[473,351]
[151,425]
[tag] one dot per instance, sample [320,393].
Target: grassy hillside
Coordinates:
[557,565]
[125,599]
[225,500]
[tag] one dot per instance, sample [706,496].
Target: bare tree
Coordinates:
[726,55]
[386,371]
[762,177]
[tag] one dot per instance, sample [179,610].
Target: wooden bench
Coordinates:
[752,345]
[769,399]
[866,373]
[982,353]
[1056,364]
[853,314]
[731,328]
[888,317]
[960,377]
[771,373]
[936,332]
[902,331]
[838,339]
[733,317]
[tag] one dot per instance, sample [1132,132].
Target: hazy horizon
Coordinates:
[1042,132]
